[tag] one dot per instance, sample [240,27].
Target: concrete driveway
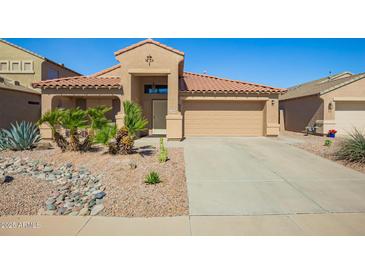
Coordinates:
[258,176]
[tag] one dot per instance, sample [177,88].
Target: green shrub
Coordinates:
[21,136]
[105,134]
[152,178]
[163,155]
[352,149]
[327,143]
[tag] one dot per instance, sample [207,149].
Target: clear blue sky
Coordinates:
[276,62]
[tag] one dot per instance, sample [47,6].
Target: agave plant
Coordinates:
[22,136]
[352,149]
[4,140]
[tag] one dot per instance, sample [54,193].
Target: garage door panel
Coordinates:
[223,118]
[349,115]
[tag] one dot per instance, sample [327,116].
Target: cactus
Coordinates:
[22,136]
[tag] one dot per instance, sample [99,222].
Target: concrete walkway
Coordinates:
[237,186]
[261,176]
[298,224]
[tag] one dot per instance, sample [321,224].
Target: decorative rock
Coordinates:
[100,195]
[48,169]
[61,210]
[84,212]
[97,209]
[51,207]
[50,201]
[78,192]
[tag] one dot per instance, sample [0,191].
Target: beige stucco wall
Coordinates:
[355,89]
[40,65]
[14,106]
[10,53]
[302,112]
[165,63]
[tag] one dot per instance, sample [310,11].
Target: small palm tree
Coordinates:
[53,119]
[134,122]
[97,117]
[73,120]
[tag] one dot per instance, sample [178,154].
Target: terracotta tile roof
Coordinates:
[148,41]
[201,83]
[80,82]
[190,82]
[100,73]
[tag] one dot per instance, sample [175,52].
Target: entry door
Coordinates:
[159,110]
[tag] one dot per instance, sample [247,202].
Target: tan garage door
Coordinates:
[218,118]
[349,115]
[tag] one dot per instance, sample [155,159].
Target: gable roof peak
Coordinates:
[148,41]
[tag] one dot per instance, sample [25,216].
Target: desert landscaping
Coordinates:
[51,182]
[316,144]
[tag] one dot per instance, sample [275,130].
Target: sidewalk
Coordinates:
[276,225]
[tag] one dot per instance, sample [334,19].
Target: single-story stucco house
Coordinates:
[334,102]
[176,103]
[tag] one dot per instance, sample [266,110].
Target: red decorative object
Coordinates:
[332,133]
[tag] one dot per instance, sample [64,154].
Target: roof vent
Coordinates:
[16,83]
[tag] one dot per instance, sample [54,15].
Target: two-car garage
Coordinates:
[223,118]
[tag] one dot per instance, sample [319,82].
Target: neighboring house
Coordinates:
[334,102]
[19,68]
[19,64]
[177,104]
[18,103]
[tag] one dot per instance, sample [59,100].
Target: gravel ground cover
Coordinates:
[315,144]
[23,195]
[122,180]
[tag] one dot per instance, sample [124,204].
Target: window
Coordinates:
[27,66]
[155,89]
[4,65]
[15,66]
[52,74]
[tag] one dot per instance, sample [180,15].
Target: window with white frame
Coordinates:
[4,66]
[15,66]
[27,66]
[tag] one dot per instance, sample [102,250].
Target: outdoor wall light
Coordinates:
[273,102]
[330,106]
